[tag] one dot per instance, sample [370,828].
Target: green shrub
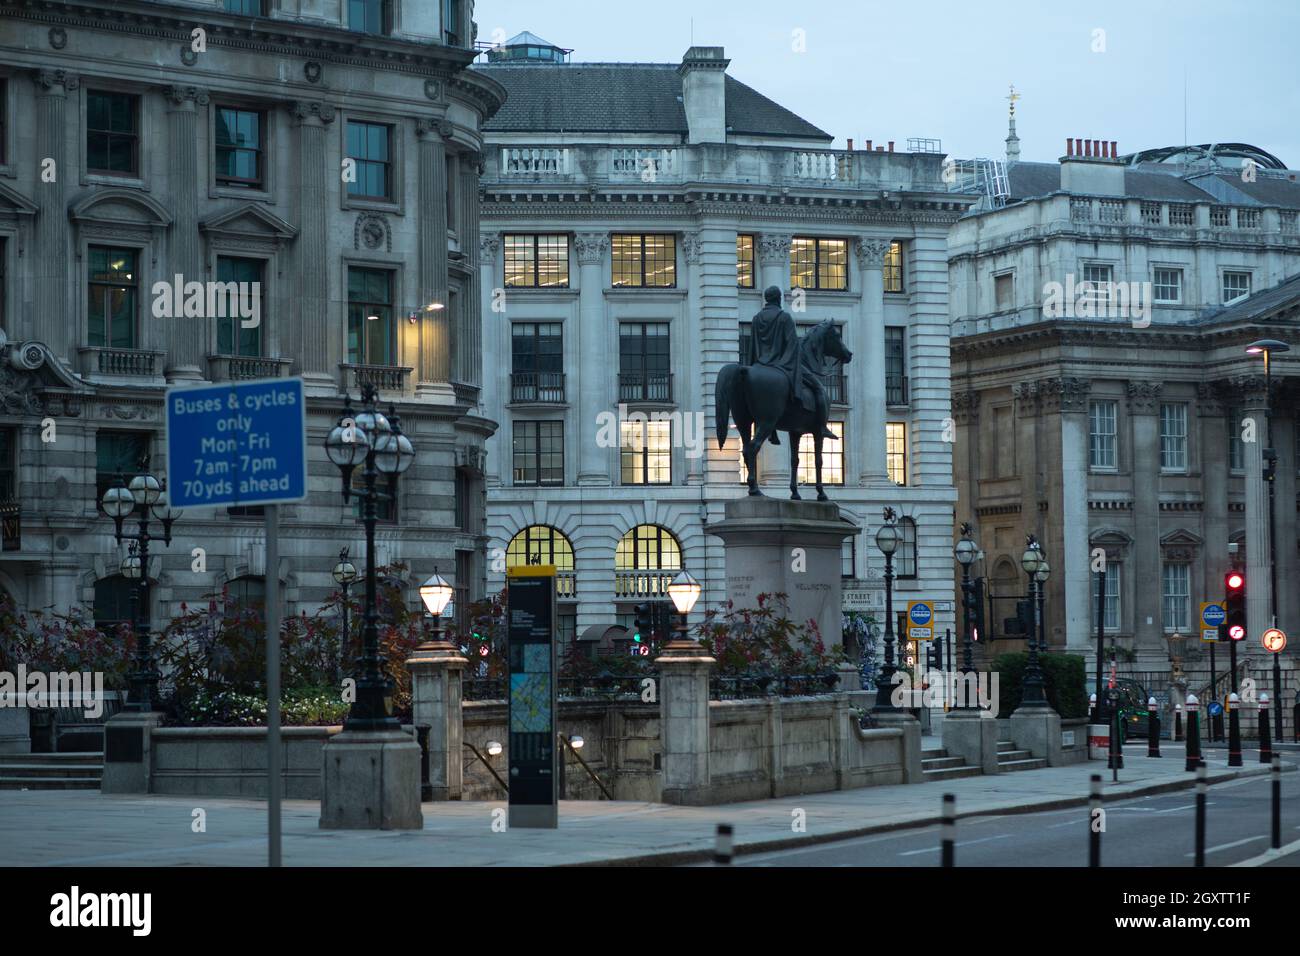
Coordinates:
[301,707]
[1063,679]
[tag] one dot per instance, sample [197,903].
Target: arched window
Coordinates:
[113,603]
[906,557]
[540,544]
[648,547]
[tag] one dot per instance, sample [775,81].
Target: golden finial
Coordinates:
[1013,96]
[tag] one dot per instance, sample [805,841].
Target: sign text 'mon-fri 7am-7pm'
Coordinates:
[237,444]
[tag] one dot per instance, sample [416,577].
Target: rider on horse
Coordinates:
[775,343]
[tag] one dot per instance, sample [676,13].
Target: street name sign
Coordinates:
[530,633]
[241,443]
[920,618]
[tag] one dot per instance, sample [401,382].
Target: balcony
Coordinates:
[642,584]
[537,387]
[895,389]
[645,387]
[648,164]
[112,361]
[386,378]
[535,162]
[238,368]
[11,524]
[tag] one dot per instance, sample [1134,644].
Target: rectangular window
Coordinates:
[896,451]
[1101,435]
[744,262]
[1004,291]
[8,464]
[895,365]
[368,16]
[1098,279]
[369,148]
[536,362]
[832,457]
[643,374]
[648,261]
[4,250]
[1236,448]
[112,133]
[372,333]
[239,147]
[1173,437]
[247,8]
[849,557]
[819,263]
[1236,285]
[113,297]
[1168,285]
[233,336]
[893,270]
[538,453]
[117,453]
[537,261]
[451,22]
[1111,576]
[645,452]
[1176,597]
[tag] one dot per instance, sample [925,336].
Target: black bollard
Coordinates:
[1153,728]
[1094,820]
[1178,723]
[1265,736]
[426,788]
[949,828]
[1277,801]
[722,847]
[1201,790]
[1115,760]
[1193,736]
[1234,731]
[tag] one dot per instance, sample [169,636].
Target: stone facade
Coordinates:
[300,77]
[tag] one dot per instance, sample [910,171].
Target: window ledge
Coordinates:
[666,291]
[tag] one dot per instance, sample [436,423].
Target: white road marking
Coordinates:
[1228,846]
[1269,855]
[935,849]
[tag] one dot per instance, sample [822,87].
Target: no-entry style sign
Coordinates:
[241,443]
[1274,639]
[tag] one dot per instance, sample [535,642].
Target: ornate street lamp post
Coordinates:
[376,443]
[1040,578]
[966,551]
[684,591]
[436,594]
[345,575]
[147,492]
[1032,694]
[887,539]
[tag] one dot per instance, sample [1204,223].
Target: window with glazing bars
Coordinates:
[1176,597]
[1173,437]
[645,452]
[368,16]
[744,262]
[368,147]
[1236,285]
[372,334]
[1168,285]
[247,8]
[118,453]
[538,453]
[896,452]
[819,263]
[8,464]
[1111,577]
[113,297]
[537,362]
[1101,435]
[643,362]
[112,132]
[905,558]
[893,269]
[233,336]
[643,260]
[1236,446]
[537,261]
[239,147]
[832,457]
[895,365]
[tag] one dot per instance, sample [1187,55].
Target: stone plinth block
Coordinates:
[128,752]
[436,674]
[1038,730]
[684,724]
[910,757]
[791,547]
[973,738]
[15,730]
[371,781]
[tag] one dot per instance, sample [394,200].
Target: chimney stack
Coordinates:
[1092,166]
[850,146]
[703,71]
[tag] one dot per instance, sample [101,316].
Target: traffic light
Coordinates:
[1234,590]
[644,623]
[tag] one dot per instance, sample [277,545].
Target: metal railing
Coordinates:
[896,390]
[642,583]
[383,377]
[537,387]
[645,386]
[836,388]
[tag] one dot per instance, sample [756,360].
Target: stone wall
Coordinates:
[231,761]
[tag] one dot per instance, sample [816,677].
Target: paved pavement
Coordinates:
[85,828]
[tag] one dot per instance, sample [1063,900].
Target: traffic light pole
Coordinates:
[1101,638]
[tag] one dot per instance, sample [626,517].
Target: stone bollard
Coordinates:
[437,671]
[684,722]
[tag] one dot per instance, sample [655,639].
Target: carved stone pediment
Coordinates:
[248,221]
[1112,540]
[14,204]
[34,382]
[115,206]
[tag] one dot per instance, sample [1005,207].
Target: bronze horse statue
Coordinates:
[759,400]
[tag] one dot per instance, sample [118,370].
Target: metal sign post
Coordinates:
[245,444]
[534,791]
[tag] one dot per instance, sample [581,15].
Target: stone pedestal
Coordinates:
[371,781]
[1038,730]
[973,738]
[684,722]
[911,728]
[128,752]
[436,674]
[15,730]
[790,547]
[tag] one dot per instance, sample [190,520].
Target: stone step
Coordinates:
[1006,756]
[83,756]
[934,752]
[1011,766]
[49,783]
[1004,745]
[950,773]
[941,763]
[41,770]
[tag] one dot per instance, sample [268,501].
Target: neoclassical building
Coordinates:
[1111,417]
[326,153]
[632,216]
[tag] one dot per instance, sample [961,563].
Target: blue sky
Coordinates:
[883,71]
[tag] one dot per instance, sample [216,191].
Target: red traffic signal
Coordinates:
[1234,586]
[1234,581]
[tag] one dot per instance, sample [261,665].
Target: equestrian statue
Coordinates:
[780,390]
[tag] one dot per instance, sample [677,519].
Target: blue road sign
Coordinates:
[920,614]
[1213,615]
[236,444]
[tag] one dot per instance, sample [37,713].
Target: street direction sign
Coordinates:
[1274,640]
[1213,613]
[534,790]
[239,443]
[920,618]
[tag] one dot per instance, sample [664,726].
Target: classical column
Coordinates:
[431,224]
[1254,401]
[467,339]
[597,371]
[317,332]
[1144,576]
[496,350]
[1028,403]
[687,354]
[867,343]
[1214,435]
[774,261]
[187,345]
[50,269]
[1072,582]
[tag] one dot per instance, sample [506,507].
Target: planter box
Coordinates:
[231,761]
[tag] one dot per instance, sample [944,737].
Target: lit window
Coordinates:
[832,457]
[744,262]
[540,544]
[819,263]
[893,269]
[645,452]
[648,546]
[113,295]
[537,261]
[896,451]
[372,334]
[649,261]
